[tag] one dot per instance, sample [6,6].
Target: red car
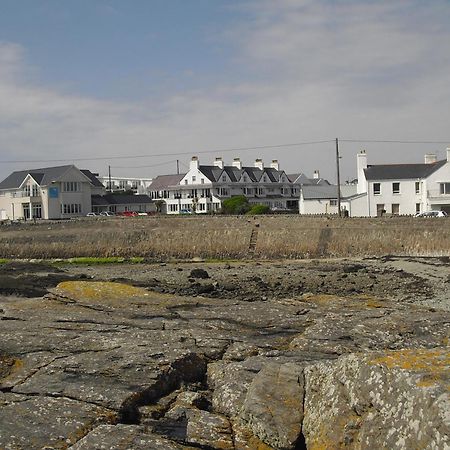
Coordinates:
[129,213]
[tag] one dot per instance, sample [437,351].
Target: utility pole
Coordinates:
[109,176]
[338,178]
[178,167]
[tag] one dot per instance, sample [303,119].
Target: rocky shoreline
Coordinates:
[225,355]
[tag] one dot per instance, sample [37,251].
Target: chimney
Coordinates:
[361,164]
[448,154]
[316,175]
[259,164]
[430,158]
[274,164]
[237,163]
[194,163]
[218,162]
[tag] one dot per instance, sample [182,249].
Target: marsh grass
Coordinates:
[218,237]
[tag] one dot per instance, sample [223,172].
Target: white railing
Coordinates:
[436,193]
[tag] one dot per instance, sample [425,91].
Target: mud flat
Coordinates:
[226,355]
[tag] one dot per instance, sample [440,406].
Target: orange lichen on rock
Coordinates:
[99,290]
[434,364]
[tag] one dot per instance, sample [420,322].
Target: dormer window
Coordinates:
[224,178]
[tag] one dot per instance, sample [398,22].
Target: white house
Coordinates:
[124,184]
[203,188]
[405,188]
[48,193]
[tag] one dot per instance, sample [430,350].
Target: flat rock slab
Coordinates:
[37,422]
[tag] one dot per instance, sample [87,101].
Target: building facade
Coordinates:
[405,189]
[126,184]
[48,193]
[204,187]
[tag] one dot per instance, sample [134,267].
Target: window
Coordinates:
[417,187]
[202,180]
[380,209]
[444,188]
[194,178]
[396,188]
[224,178]
[37,210]
[376,188]
[185,181]
[333,202]
[395,209]
[417,207]
[71,186]
[71,208]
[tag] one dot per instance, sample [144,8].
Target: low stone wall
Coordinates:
[228,237]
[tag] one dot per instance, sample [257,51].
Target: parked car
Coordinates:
[432,214]
[129,213]
[185,211]
[91,214]
[107,214]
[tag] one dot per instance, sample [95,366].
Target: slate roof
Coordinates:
[94,180]
[301,178]
[42,176]
[120,199]
[317,192]
[401,171]
[162,182]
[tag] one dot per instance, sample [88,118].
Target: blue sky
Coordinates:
[99,78]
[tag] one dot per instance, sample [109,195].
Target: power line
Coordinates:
[223,150]
[237,149]
[381,141]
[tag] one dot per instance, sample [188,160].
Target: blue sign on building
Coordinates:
[53,192]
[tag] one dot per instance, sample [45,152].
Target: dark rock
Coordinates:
[198,273]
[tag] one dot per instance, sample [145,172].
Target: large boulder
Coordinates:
[391,399]
[273,407]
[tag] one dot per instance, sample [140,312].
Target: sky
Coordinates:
[138,84]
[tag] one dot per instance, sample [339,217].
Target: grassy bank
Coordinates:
[226,237]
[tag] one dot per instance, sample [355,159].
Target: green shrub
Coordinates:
[237,204]
[259,209]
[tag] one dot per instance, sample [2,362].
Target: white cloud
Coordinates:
[324,69]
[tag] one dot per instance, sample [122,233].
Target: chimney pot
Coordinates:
[430,158]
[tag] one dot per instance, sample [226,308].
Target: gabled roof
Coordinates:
[301,178]
[42,176]
[162,182]
[93,179]
[273,174]
[211,172]
[330,191]
[401,171]
[120,199]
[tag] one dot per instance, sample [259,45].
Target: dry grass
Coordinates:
[227,237]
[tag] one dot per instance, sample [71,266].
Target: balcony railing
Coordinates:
[436,193]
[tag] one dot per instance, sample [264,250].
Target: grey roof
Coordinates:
[401,171]
[43,176]
[211,172]
[327,191]
[162,182]
[94,180]
[319,192]
[119,199]
[301,178]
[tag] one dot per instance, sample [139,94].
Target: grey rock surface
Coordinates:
[147,362]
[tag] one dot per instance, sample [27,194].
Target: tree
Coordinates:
[159,205]
[237,204]
[259,209]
